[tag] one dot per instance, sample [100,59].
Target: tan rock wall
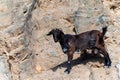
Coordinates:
[26,53]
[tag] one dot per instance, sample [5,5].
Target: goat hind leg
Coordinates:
[106,55]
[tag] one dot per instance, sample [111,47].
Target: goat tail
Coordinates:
[104,30]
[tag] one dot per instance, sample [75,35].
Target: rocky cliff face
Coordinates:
[26,53]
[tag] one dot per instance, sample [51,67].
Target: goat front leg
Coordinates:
[70,57]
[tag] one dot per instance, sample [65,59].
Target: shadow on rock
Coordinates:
[83,59]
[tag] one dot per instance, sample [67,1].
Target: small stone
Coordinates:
[38,68]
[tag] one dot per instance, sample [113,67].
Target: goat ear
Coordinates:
[50,33]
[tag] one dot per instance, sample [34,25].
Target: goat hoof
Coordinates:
[67,71]
[107,65]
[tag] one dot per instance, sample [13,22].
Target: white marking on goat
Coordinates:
[64,49]
[68,61]
[69,43]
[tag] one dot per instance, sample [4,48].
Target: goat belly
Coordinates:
[81,45]
[91,43]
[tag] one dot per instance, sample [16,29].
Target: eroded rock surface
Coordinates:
[26,53]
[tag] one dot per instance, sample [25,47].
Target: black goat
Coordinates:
[88,40]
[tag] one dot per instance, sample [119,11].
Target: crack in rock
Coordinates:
[117,66]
